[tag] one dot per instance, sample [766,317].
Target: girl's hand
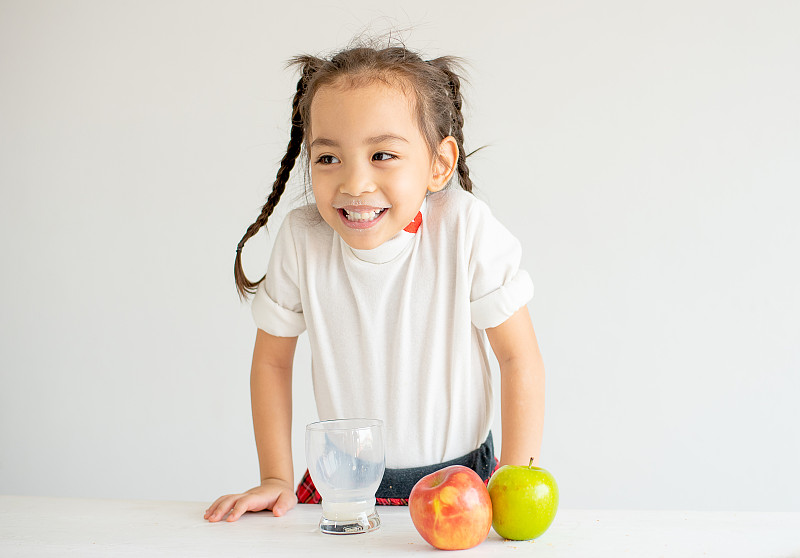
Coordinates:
[274,494]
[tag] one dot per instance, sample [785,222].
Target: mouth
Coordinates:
[362,220]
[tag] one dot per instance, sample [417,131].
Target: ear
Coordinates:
[444,164]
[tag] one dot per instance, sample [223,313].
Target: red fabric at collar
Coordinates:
[414,225]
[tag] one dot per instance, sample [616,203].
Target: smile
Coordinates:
[367,216]
[364,220]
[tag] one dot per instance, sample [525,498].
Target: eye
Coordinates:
[383,156]
[327,160]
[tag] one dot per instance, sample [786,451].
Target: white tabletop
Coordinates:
[36,526]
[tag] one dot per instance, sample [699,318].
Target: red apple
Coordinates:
[451,508]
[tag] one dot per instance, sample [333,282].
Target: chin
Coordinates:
[364,239]
[362,243]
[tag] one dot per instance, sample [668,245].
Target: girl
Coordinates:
[401,282]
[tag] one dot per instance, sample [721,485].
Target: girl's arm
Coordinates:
[521,388]
[271,395]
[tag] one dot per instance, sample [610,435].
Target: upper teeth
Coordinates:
[367,216]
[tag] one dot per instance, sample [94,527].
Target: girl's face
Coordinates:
[370,165]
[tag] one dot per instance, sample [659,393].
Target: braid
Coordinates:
[243,284]
[454,84]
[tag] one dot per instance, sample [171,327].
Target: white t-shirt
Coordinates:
[396,332]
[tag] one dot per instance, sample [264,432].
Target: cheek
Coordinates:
[319,185]
[413,177]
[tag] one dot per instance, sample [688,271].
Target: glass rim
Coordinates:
[344,424]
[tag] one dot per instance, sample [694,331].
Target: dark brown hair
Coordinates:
[434,85]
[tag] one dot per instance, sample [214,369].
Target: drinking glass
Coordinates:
[346,462]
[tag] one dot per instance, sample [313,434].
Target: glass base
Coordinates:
[362,524]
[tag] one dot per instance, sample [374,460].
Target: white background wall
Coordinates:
[646,154]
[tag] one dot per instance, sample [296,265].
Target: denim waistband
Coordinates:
[397,483]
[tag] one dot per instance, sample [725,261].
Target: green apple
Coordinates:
[524,501]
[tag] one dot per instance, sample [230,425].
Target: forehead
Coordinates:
[340,111]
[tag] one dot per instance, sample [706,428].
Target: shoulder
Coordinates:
[457,208]
[457,214]
[304,221]
[452,205]
[305,216]
[453,200]
[302,231]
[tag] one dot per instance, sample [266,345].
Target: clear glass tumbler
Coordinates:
[346,462]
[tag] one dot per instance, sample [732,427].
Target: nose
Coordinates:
[356,180]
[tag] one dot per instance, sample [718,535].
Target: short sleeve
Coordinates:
[498,287]
[277,307]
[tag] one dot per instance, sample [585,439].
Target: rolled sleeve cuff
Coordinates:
[496,307]
[274,318]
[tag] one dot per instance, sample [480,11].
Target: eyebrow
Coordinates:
[369,141]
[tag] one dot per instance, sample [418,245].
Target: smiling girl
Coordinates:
[403,281]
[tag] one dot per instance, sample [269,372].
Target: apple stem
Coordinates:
[531,463]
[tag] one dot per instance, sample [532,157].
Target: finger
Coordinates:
[210,510]
[214,505]
[217,502]
[239,508]
[223,508]
[285,502]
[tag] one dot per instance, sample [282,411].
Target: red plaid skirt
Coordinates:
[307,492]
